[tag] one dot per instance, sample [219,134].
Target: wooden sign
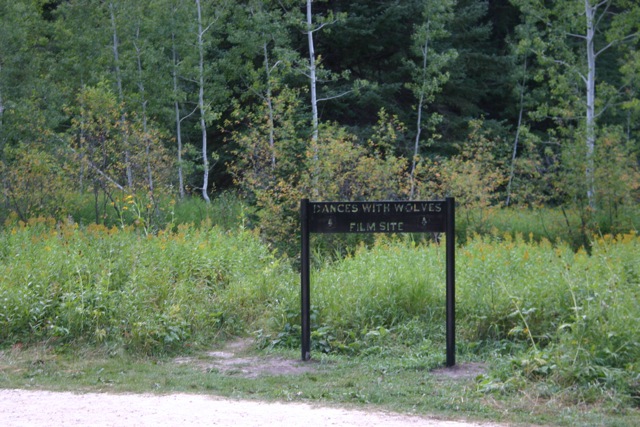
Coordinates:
[378,217]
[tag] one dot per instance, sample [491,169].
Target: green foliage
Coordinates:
[552,224]
[338,167]
[227,211]
[132,211]
[617,171]
[429,73]
[356,302]
[36,184]
[136,65]
[116,154]
[579,316]
[148,293]
[116,150]
[141,279]
[617,182]
[474,177]
[532,179]
[574,86]
[343,169]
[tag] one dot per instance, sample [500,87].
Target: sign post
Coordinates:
[378,217]
[305,313]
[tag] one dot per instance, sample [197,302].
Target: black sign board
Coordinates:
[378,217]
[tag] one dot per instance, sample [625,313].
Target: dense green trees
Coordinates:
[428,95]
[582,49]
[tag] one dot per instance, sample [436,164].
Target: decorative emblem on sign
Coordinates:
[424,221]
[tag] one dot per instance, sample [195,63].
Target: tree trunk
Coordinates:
[416,147]
[312,77]
[201,107]
[270,107]
[314,102]
[176,106]
[591,97]
[143,102]
[516,140]
[116,60]
[1,106]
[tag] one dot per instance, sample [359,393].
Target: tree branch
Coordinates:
[98,170]
[610,101]
[274,66]
[561,62]
[596,7]
[321,26]
[622,40]
[190,114]
[340,95]
[578,36]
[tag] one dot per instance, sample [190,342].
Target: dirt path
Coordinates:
[26,408]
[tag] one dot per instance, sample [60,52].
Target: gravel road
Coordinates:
[27,408]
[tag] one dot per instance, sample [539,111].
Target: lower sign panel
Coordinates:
[396,224]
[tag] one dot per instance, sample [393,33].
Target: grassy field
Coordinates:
[555,329]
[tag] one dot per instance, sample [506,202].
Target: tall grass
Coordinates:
[163,210]
[566,316]
[562,223]
[553,313]
[149,293]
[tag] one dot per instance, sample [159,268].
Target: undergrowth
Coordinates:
[148,292]
[540,313]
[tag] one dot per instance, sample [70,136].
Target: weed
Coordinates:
[545,316]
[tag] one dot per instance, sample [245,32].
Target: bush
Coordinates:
[36,184]
[338,166]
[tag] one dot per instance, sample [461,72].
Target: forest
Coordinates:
[496,103]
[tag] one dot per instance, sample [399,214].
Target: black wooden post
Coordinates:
[305,316]
[451,282]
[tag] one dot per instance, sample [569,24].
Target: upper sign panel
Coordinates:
[377,217]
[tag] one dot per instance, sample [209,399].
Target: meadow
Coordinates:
[547,318]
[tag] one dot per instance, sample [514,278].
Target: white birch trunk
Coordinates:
[201,107]
[590,82]
[116,58]
[314,102]
[1,103]
[312,78]
[416,147]
[516,140]
[176,106]
[147,142]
